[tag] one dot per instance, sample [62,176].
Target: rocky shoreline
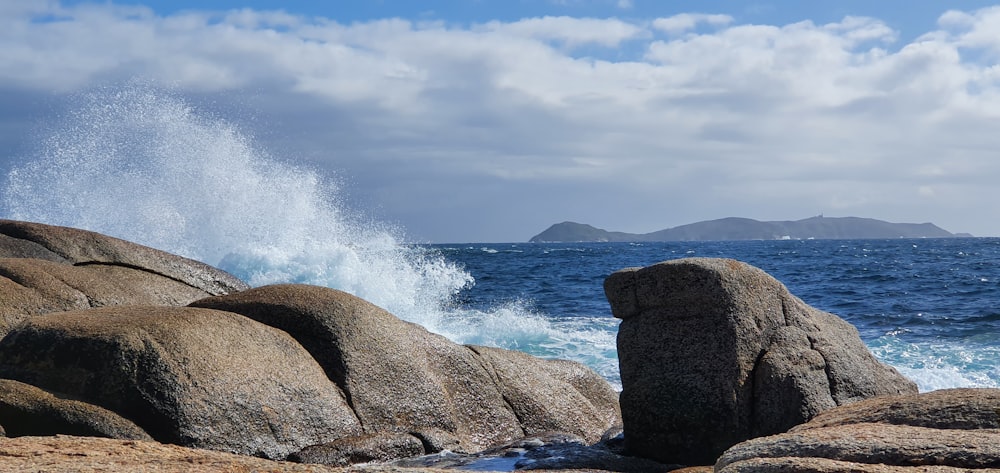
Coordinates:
[115,356]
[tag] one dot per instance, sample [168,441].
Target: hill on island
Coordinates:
[735,228]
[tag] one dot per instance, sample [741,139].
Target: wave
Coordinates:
[139,163]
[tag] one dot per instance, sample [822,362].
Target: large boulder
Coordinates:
[45,268]
[27,410]
[715,351]
[193,377]
[948,430]
[399,377]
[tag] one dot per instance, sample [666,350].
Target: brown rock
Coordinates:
[66,454]
[400,377]
[714,352]
[27,410]
[963,408]
[947,430]
[45,268]
[366,448]
[824,465]
[194,377]
[81,247]
[553,395]
[876,444]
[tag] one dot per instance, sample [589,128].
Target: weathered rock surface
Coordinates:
[964,408]
[68,454]
[45,268]
[552,395]
[27,410]
[377,447]
[399,377]
[714,352]
[948,430]
[193,377]
[877,444]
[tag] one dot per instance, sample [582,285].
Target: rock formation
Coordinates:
[45,268]
[948,430]
[192,377]
[400,377]
[96,339]
[714,352]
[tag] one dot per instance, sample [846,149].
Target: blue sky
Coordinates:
[909,18]
[465,121]
[899,13]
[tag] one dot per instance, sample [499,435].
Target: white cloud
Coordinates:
[570,31]
[764,121]
[684,22]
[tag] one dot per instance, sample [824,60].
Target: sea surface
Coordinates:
[141,164]
[929,307]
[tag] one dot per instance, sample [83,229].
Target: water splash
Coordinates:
[138,163]
[141,164]
[941,364]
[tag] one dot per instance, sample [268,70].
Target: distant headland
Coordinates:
[735,228]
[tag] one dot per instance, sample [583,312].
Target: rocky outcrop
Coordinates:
[45,268]
[948,430]
[96,338]
[27,410]
[399,377]
[714,352]
[193,377]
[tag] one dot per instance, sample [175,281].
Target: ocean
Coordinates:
[142,164]
[929,307]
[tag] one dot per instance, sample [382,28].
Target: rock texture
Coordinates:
[46,268]
[399,377]
[193,377]
[27,410]
[948,430]
[377,447]
[714,352]
[68,454]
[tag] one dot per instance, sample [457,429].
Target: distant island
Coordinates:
[735,228]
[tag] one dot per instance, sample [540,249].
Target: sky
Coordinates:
[488,121]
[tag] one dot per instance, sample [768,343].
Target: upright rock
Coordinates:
[715,351]
[399,377]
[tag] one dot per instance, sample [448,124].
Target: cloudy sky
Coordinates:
[489,120]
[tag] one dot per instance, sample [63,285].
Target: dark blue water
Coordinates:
[930,307]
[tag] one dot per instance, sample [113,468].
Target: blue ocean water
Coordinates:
[144,165]
[929,307]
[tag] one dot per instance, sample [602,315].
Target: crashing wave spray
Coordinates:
[140,164]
